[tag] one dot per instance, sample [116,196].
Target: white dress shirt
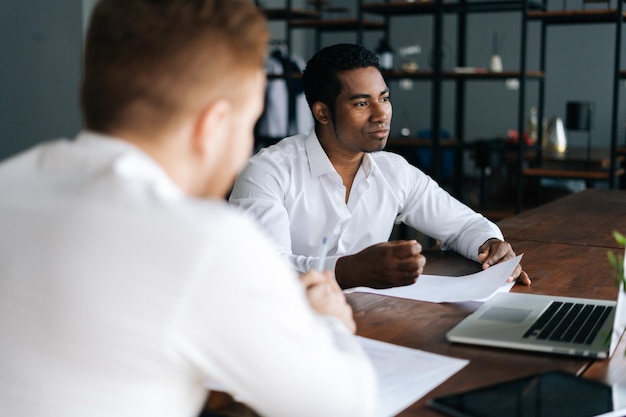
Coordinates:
[297,195]
[120,296]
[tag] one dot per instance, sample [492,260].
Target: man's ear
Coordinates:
[212,128]
[321,112]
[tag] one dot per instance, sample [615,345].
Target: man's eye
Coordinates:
[387,98]
[361,103]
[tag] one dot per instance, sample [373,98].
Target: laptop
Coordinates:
[562,325]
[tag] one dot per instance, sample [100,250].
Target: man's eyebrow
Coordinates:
[357,96]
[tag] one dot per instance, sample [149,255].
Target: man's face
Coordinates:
[362,111]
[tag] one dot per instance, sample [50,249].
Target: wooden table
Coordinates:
[555,269]
[586,218]
[564,245]
[557,266]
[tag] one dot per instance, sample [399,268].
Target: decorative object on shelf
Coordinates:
[555,139]
[405,121]
[495,62]
[406,84]
[425,159]
[532,126]
[385,54]
[579,117]
[408,57]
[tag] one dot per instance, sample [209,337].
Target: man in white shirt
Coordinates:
[336,183]
[127,284]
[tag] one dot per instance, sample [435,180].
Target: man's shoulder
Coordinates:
[212,220]
[285,156]
[287,147]
[26,163]
[395,170]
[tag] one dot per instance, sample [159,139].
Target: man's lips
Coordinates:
[379,133]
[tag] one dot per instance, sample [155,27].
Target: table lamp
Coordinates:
[579,117]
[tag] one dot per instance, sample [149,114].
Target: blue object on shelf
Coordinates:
[425,156]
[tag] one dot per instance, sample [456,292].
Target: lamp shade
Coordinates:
[579,115]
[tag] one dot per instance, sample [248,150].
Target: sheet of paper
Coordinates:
[405,375]
[478,286]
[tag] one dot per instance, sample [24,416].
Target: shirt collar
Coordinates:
[319,164]
[368,165]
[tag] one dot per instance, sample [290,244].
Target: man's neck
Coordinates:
[346,164]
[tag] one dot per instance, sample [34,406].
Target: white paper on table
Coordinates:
[478,286]
[405,375]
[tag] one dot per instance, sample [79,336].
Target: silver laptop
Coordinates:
[565,325]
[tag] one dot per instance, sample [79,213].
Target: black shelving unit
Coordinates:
[437,9]
[548,18]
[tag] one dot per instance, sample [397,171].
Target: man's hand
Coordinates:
[326,297]
[385,265]
[495,251]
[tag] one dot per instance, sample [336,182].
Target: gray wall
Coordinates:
[41,46]
[40,43]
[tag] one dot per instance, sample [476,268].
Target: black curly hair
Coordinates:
[320,75]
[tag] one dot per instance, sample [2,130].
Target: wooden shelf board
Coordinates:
[293,75]
[283,14]
[417,142]
[400,7]
[549,172]
[337,24]
[576,16]
[428,7]
[492,75]
[427,74]
[335,9]
[577,158]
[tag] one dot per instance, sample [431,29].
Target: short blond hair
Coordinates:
[148,62]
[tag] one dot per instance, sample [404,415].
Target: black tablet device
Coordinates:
[549,394]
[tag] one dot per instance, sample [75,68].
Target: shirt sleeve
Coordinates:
[432,210]
[260,191]
[266,345]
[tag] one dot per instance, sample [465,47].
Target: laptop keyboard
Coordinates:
[569,322]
